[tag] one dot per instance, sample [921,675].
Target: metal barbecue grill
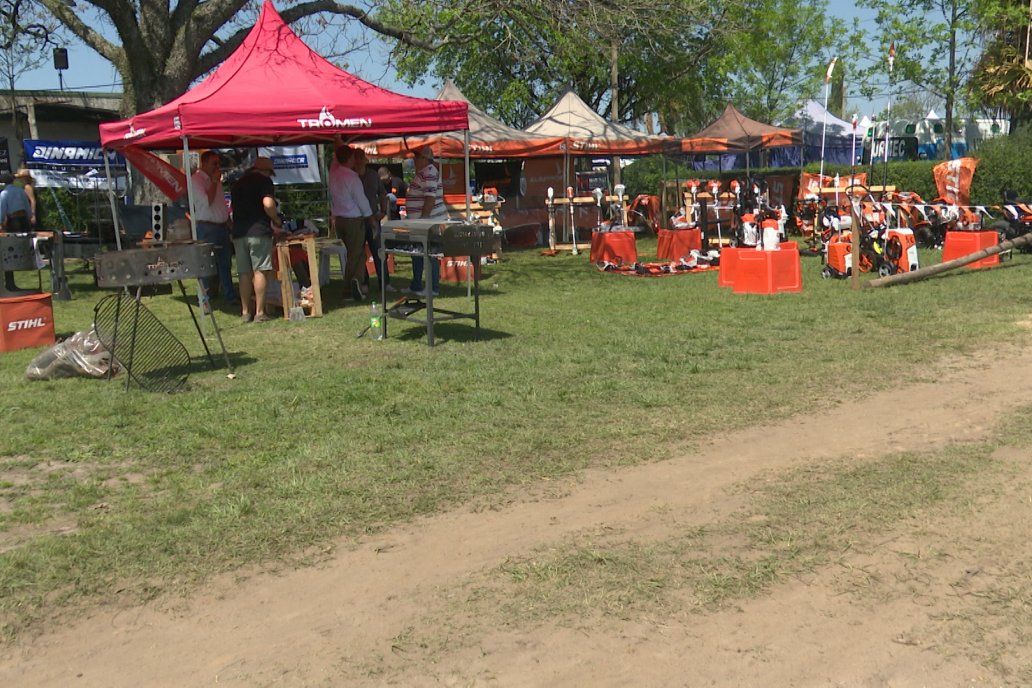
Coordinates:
[432,240]
[149,352]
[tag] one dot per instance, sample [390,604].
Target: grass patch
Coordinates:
[323,435]
[793,523]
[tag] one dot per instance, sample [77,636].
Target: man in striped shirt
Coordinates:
[425,200]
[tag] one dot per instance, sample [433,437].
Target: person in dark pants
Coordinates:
[212,215]
[376,194]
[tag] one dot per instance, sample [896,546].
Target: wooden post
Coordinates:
[854,216]
[932,270]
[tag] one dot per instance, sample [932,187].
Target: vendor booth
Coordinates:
[275,90]
[584,133]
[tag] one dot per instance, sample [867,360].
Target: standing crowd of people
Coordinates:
[361,197]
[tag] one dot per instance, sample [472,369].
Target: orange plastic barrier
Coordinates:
[729,265]
[767,272]
[960,244]
[614,247]
[26,321]
[678,243]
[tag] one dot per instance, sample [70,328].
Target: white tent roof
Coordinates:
[812,114]
[588,132]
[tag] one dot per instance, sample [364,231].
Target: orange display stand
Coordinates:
[767,272]
[678,243]
[456,269]
[728,265]
[960,244]
[614,247]
[26,322]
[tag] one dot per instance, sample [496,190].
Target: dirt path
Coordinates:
[348,622]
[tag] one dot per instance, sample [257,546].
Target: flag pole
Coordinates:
[888,119]
[852,154]
[827,91]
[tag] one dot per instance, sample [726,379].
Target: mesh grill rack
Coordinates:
[150,354]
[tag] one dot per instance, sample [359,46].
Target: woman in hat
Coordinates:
[23,178]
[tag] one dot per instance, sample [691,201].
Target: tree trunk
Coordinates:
[932,270]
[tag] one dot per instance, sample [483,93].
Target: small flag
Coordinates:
[853,120]
[831,68]
[892,54]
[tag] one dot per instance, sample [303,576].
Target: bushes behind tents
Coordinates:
[1004,163]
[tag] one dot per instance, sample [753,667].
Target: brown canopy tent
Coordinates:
[733,132]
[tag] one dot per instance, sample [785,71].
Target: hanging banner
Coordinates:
[40,152]
[5,155]
[72,165]
[539,174]
[294,164]
[169,180]
[953,180]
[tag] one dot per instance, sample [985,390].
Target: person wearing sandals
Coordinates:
[255,217]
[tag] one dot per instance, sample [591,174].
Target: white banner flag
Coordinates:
[294,164]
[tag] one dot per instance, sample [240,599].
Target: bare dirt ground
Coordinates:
[929,604]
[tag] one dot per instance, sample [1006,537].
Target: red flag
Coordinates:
[892,54]
[169,180]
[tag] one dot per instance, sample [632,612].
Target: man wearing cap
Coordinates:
[254,219]
[351,211]
[212,217]
[425,200]
[14,215]
[23,178]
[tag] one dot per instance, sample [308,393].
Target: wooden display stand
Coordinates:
[286,280]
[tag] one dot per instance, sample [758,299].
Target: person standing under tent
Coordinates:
[14,215]
[23,178]
[350,210]
[425,200]
[212,217]
[254,219]
[396,188]
[376,194]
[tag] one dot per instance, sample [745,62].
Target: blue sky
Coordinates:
[88,72]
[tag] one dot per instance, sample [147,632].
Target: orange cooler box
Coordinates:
[26,322]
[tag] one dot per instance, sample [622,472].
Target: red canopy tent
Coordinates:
[274,89]
[733,132]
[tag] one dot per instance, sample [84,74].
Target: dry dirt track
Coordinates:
[345,622]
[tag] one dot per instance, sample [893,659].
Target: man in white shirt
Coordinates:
[350,209]
[212,215]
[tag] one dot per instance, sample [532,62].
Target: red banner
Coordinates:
[953,180]
[169,180]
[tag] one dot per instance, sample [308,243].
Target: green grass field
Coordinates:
[322,434]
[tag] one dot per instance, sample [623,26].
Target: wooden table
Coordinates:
[286,280]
